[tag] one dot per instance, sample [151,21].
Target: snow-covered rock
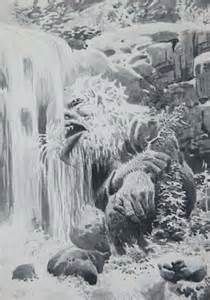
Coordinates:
[90,233]
[24,272]
[192,270]
[77,262]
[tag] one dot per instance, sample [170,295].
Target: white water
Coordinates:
[36,68]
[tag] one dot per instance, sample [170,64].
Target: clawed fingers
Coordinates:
[151,168]
[118,206]
[125,207]
[139,207]
[161,156]
[128,206]
[143,203]
[161,164]
[135,199]
[135,207]
[155,162]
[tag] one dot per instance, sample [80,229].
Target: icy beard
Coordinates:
[102,141]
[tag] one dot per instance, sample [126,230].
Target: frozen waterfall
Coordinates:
[36,188]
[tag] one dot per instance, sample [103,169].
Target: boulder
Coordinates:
[191,290]
[164,36]
[90,233]
[202,41]
[131,80]
[77,262]
[184,55]
[162,59]
[202,75]
[24,272]
[144,69]
[123,212]
[160,53]
[109,52]
[139,56]
[192,270]
[182,93]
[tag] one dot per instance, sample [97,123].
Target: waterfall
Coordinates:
[34,70]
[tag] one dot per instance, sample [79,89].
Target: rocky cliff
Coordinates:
[173,62]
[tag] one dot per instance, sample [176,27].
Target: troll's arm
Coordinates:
[131,194]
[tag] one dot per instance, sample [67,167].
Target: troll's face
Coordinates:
[98,116]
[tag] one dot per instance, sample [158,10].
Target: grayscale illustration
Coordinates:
[104,149]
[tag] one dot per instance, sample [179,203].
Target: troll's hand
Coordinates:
[135,199]
[129,209]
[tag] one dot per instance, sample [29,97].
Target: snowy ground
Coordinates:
[133,276]
[126,277]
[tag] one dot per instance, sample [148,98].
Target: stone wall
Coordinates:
[173,63]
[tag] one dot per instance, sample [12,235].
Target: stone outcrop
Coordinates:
[202,75]
[91,232]
[162,59]
[24,272]
[77,262]
[174,66]
[179,270]
[187,278]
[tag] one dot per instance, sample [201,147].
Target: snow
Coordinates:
[126,277]
[202,58]
[130,277]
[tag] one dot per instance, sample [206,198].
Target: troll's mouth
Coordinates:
[74,128]
[73,133]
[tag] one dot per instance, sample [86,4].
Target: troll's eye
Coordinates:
[75,102]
